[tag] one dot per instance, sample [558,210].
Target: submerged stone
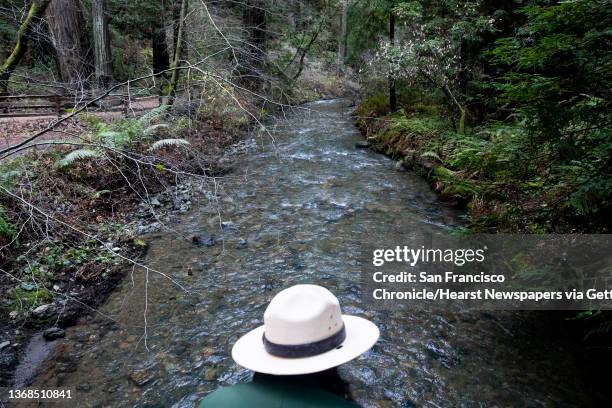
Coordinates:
[204,240]
[363,144]
[53,333]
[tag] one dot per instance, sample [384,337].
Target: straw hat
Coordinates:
[304,332]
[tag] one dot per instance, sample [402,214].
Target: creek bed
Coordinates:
[296,212]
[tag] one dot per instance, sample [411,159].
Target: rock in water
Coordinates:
[141,377]
[203,239]
[42,311]
[210,374]
[53,333]
[363,144]
[228,225]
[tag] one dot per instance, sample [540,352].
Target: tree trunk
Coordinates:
[342,35]
[177,53]
[392,92]
[451,97]
[102,48]
[177,21]
[68,33]
[160,46]
[35,12]
[305,49]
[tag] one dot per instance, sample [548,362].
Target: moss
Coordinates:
[27,299]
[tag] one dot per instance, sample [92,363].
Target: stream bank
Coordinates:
[95,219]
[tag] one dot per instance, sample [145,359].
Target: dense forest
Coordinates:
[106,105]
[505,103]
[510,103]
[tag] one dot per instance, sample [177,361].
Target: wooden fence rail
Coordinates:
[13,106]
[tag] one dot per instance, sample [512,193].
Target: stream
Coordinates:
[296,211]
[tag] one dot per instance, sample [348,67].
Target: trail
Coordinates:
[16,129]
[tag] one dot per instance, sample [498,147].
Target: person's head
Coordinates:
[304,332]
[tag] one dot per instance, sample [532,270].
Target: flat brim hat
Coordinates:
[304,332]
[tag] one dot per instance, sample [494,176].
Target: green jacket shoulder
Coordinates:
[273,394]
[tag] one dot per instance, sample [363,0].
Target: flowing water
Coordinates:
[296,212]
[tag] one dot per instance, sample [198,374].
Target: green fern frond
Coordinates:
[168,143]
[80,154]
[431,155]
[151,130]
[113,139]
[146,119]
[9,176]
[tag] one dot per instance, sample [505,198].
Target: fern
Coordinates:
[7,230]
[80,154]
[168,143]
[431,155]
[145,120]
[6,178]
[113,138]
[151,130]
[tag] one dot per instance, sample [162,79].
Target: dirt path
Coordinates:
[16,129]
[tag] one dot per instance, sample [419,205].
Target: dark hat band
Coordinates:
[306,349]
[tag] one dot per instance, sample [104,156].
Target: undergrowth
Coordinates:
[509,181]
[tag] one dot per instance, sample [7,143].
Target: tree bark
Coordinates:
[449,94]
[69,37]
[392,92]
[35,12]
[161,58]
[342,35]
[177,53]
[102,47]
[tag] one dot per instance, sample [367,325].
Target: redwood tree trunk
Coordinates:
[69,37]
[102,47]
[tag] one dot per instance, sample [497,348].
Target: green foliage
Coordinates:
[57,257]
[422,126]
[374,105]
[29,296]
[7,229]
[9,176]
[454,185]
[118,135]
[168,143]
[496,150]
[367,20]
[535,82]
[75,155]
[555,74]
